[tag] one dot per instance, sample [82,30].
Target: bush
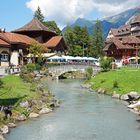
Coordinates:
[31,67]
[115,84]
[105,63]
[89,73]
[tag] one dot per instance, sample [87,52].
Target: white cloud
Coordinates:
[66,11]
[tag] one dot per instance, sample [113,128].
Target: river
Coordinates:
[83,115]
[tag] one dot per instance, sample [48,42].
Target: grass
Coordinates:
[122,80]
[15,87]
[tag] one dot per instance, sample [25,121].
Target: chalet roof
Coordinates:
[13,38]
[121,43]
[136,19]
[4,43]
[121,31]
[131,40]
[33,25]
[54,41]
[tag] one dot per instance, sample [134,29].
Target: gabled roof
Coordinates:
[4,43]
[121,31]
[33,25]
[13,38]
[131,40]
[54,41]
[136,19]
[121,43]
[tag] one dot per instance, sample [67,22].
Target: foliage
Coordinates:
[98,41]
[115,84]
[105,63]
[77,51]
[52,26]
[89,73]
[77,38]
[36,50]
[38,14]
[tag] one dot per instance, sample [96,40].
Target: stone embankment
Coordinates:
[32,109]
[131,99]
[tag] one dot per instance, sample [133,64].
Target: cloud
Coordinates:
[66,11]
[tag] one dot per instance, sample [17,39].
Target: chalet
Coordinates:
[124,41]
[13,45]
[12,48]
[35,29]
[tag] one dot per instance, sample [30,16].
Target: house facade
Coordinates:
[124,41]
[13,45]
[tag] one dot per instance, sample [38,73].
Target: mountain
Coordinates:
[107,23]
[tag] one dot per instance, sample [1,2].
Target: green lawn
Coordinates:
[14,87]
[128,79]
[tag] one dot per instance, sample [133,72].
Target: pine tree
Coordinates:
[98,38]
[38,14]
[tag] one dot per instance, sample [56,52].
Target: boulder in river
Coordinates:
[125,97]
[21,117]
[115,95]
[33,115]
[11,125]
[134,105]
[4,129]
[134,95]
[2,137]
[45,110]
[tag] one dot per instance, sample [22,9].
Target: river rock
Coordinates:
[134,105]
[124,97]
[24,104]
[115,95]
[86,86]
[2,137]
[134,95]
[11,125]
[33,115]
[21,117]
[4,129]
[45,110]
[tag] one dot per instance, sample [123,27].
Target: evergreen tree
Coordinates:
[38,14]
[98,38]
[52,26]
[77,39]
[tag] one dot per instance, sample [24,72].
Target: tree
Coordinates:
[52,26]
[38,14]
[77,38]
[36,50]
[98,38]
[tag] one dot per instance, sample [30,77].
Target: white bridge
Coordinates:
[56,71]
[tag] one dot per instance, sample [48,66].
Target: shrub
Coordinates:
[89,73]
[105,63]
[115,84]
[31,67]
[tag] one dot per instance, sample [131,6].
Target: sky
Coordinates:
[16,13]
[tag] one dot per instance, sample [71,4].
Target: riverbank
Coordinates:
[120,84]
[24,100]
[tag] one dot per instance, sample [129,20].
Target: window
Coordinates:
[4,56]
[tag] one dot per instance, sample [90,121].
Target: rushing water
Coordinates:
[83,115]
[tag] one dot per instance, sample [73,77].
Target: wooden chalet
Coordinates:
[35,29]
[124,41]
[122,47]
